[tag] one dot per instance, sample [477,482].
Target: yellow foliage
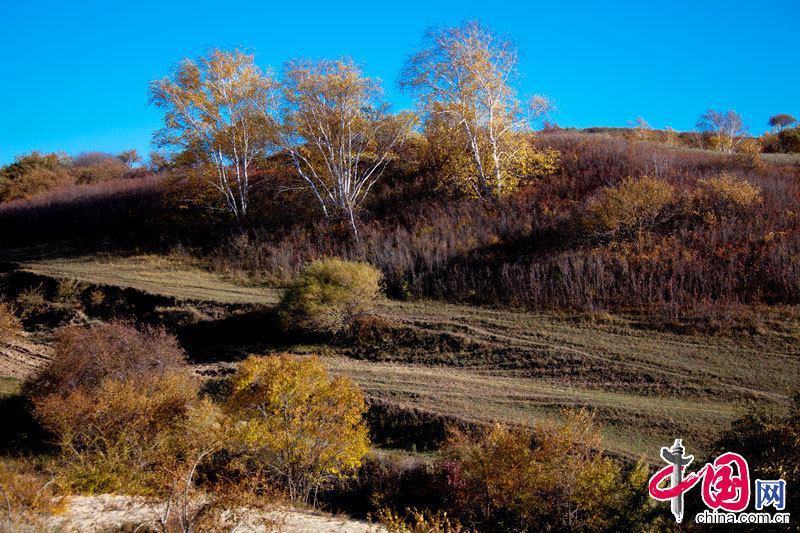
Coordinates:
[555,472]
[24,492]
[415,521]
[217,110]
[473,173]
[303,426]
[329,294]
[112,435]
[725,193]
[632,207]
[10,326]
[463,82]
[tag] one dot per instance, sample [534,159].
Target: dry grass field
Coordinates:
[646,386]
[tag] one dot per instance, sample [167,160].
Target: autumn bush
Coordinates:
[84,357]
[631,208]
[771,443]
[34,174]
[724,194]
[557,476]
[115,435]
[36,182]
[416,521]
[500,478]
[785,141]
[10,326]
[95,167]
[26,489]
[113,396]
[301,428]
[31,301]
[329,294]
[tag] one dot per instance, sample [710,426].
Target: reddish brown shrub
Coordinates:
[36,182]
[83,358]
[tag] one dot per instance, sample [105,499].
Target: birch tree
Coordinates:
[219,109]
[465,78]
[726,126]
[338,132]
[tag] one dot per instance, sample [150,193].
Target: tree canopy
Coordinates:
[219,110]
[464,80]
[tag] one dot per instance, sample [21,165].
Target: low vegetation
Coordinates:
[10,325]
[36,173]
[328,295]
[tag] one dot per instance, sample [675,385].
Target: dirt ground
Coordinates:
[102,513]
[20,358]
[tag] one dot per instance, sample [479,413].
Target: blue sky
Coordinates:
[76,73]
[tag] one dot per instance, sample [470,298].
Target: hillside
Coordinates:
[480,364]
[622,295]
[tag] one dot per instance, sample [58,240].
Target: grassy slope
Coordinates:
[150,273]
[483,364]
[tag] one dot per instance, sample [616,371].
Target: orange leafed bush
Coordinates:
[114,397]
[36,182]
[114,435]
[25,490]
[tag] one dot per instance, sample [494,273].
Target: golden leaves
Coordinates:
[306,427]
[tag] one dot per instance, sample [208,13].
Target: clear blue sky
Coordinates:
[75,74]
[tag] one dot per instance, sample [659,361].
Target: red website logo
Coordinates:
[726,481]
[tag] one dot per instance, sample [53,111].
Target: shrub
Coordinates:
[555,476]
[83,358]
[95,167]
[112,435]
[36,182]
[414,521]
[329,294]
[785,141]
[790,139]
[725,194]
[113,395]
[632,207]
[25,492]
[305,428]
[771,444]
[10,326]
[69,291]
[31,301]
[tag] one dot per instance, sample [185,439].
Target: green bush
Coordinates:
[329,294]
